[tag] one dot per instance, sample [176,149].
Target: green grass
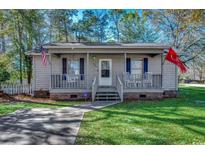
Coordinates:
[6,108]
[170,121]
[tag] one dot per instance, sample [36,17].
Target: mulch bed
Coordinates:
[5,98]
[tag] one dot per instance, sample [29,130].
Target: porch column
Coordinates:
[50,68]
[87,70]
[125,64]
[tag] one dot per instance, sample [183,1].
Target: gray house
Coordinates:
[104,71]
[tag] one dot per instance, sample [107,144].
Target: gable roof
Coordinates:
[158,47]
[88,45]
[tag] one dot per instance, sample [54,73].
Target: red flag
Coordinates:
[174,58]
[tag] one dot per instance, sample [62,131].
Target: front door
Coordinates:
[105,72]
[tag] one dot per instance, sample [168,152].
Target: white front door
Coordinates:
[105,72]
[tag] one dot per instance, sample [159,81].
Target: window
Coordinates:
[136,66]
[105,69]
[73,67]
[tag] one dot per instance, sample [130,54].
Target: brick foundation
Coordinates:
[127,95]
[143,96]
[70,96]
[170,94]
[41,94]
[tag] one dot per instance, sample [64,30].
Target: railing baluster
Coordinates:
[137,81]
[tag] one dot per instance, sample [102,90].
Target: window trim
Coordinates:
[142,66]
[68,67]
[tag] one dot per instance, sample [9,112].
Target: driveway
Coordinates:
[44,126]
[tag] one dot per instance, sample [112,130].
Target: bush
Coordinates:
[4,75]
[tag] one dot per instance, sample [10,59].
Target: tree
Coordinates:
[182,29]
[136,28]
[25,26]
[100,26]
[4,65]
[116,16]
[61,22]
[84,27]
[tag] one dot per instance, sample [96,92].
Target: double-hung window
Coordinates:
[136,67]
[74,67]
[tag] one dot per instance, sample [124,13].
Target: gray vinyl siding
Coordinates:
[56,65]
[154,64]
[41,74]
[169,81]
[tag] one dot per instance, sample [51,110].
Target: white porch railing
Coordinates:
[11,88]
[137,81]
[67,81]
[119,87]
[94,88]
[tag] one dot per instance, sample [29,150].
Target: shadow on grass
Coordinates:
[161,113]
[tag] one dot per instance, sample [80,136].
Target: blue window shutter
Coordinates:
[145,65]
[81,68]
[64,68]
[64,64]
[128,65]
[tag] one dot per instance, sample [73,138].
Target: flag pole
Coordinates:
[164,57]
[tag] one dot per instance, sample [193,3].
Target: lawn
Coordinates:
[170,121]
[6,108]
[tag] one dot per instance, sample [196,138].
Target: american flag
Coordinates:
[43,56]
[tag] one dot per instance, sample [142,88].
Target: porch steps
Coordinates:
[107,94]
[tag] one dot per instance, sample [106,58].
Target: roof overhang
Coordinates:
[112,46]
[140,48]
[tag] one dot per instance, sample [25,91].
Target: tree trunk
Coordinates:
[20,67]
[194,70]
[66,31]
[3,39]
[29,69]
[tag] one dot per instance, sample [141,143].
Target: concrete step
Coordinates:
[106,94]
[104,99]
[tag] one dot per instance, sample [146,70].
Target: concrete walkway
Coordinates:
[45,126]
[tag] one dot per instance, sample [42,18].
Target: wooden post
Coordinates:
[87,70]
[50,64]
[125,65]
[125,68]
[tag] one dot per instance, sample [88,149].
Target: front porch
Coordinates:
[87,72]
[129,81]
[125,83]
